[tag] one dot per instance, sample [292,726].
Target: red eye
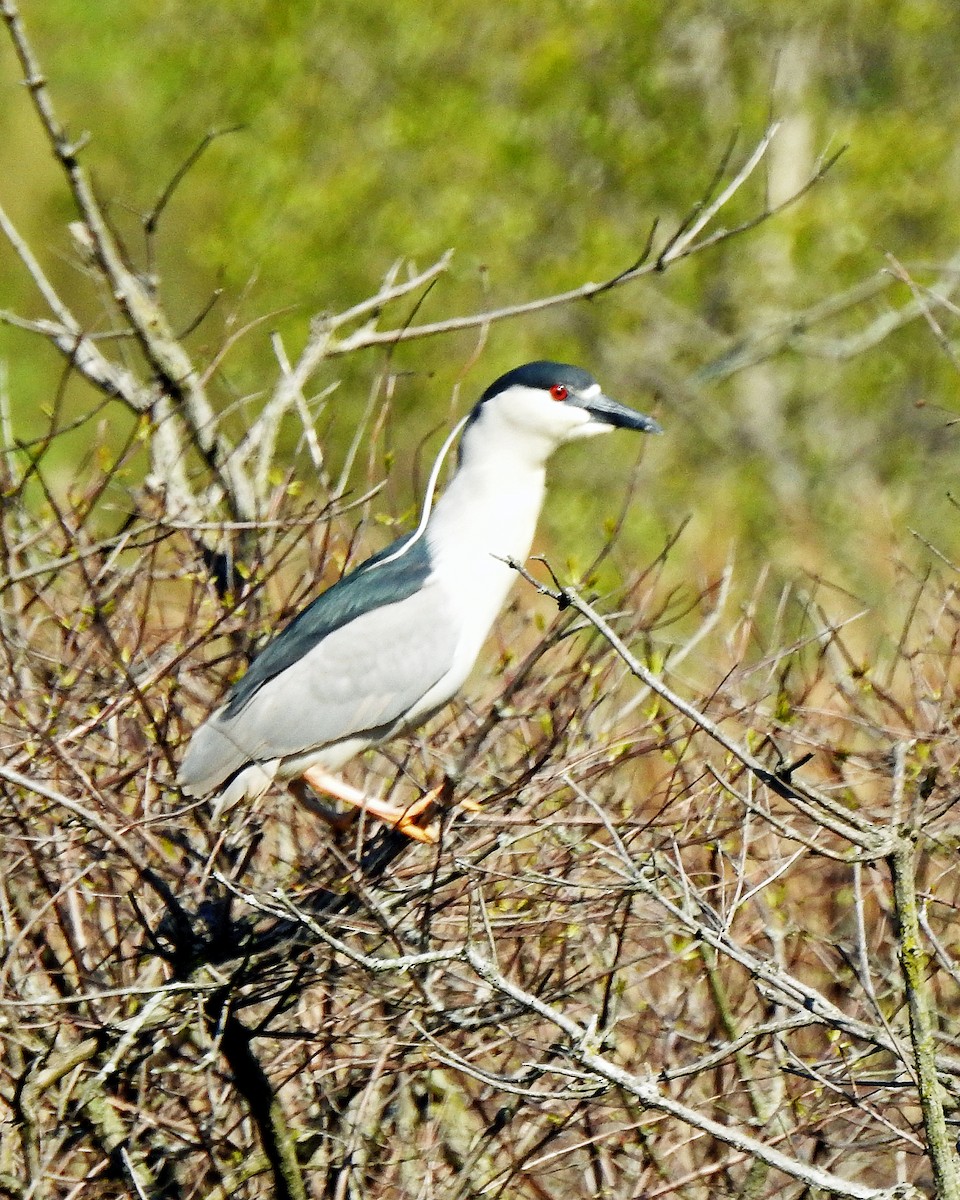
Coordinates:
[558,391]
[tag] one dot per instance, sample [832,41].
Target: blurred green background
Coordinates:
[540,140]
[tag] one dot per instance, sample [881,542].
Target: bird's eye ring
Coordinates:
[559,391]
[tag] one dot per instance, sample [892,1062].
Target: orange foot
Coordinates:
[404,819]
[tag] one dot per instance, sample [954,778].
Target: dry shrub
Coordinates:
[249,1003]
[698,938]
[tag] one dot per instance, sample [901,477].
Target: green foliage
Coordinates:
[540,141]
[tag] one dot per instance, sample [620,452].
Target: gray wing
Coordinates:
[398,571]
[364,676]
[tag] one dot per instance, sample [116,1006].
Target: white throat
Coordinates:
[487,514]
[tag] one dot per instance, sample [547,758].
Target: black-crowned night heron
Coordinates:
[389,644]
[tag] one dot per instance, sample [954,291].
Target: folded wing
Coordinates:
[357,661]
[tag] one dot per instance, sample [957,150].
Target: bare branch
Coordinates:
[830,814]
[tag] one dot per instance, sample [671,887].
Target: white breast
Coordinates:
[488,514]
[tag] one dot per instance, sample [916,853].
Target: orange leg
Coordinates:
[403,819]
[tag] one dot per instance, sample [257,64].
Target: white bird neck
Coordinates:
[490,507]
[487,514]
